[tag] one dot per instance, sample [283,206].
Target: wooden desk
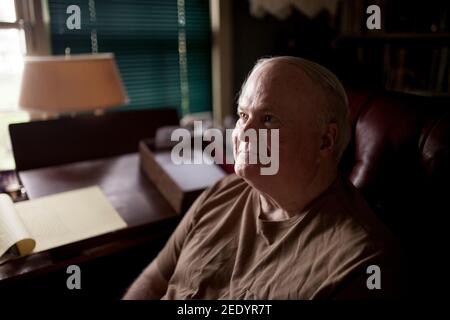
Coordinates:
[149,217]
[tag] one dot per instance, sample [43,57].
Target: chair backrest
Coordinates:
[44,143]
[399,158]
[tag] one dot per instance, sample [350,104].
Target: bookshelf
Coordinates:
[411,52]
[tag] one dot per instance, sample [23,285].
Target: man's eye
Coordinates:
[268,118]
[242,115]
[271,121]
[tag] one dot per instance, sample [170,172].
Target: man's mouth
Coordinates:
[245,147]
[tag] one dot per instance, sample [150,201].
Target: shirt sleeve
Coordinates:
[167,258]
[389,280]
[356,288]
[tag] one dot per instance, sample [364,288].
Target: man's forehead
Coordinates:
[275,85]
[280,70]
[266,107]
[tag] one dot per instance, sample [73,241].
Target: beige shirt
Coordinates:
[223,249]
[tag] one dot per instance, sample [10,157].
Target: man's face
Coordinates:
[276,97]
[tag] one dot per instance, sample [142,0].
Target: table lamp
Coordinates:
[71,83]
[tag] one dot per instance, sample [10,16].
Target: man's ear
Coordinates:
[328,140]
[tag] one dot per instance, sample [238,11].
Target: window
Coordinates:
[162,47]
[12,50]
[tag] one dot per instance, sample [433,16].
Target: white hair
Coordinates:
[335,109]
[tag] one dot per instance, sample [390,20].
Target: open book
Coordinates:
[52,221]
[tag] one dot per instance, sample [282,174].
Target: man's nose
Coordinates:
[248,131]
[251,123]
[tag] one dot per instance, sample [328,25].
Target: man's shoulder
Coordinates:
[230,184]
[347,212]
[350,235]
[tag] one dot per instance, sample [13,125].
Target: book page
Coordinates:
[67,217]
[12,230]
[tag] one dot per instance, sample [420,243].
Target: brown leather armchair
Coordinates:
[399,158]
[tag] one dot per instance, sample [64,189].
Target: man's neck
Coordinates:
[290,201]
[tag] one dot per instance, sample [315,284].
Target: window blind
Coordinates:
[162,47]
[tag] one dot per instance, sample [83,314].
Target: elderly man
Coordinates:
[302,233]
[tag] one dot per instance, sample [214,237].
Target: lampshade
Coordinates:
[71,83]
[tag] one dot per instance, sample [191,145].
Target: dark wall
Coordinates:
[409,53]
[297,35]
